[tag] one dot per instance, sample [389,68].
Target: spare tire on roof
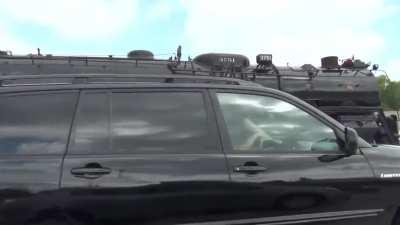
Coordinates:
[221,59]
[140,54]
[330,62]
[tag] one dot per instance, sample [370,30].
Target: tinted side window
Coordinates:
[143,122]
[159,122]
[92,129]
[260,123]
[35,123]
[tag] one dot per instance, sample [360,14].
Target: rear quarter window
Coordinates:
[35,123]
[142,122]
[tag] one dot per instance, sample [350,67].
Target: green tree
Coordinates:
[382,82]
[390,94]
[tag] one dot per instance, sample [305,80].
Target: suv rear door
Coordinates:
[34,131]
[143,154]
[295,159]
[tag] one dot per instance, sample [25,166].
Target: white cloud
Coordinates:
[75,19]
[293,31]
[393,69]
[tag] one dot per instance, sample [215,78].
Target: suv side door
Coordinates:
[295,157]
[143,154]
[34,131]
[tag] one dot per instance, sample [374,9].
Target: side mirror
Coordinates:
[351,141]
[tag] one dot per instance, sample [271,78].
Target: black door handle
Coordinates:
[90,171]
[250,167]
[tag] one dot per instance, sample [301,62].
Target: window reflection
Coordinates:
[35,123]
[91,132]
[147,122]
[267,124]
[159,122]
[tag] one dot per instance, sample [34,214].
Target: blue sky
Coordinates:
[295,32]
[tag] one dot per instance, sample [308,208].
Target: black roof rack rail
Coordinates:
[78,58]
[65,79]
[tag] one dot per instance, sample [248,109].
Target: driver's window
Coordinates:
[260,123]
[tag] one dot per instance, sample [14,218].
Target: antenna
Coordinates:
[179,53]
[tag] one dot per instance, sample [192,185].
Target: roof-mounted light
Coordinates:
[264,59]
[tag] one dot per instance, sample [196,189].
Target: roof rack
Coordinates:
[65,79]
[253,73]
[182,67]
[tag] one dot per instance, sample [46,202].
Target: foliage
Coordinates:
[390,94]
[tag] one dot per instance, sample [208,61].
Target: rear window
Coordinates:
[142,122]
[35,123]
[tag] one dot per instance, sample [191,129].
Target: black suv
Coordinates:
[131,149]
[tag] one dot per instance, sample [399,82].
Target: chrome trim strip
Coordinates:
[297,219]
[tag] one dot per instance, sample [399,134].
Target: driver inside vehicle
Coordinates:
[260,123]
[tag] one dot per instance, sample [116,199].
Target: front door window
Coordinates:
[266,124]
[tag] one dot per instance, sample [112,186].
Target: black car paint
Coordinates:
[295,188]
